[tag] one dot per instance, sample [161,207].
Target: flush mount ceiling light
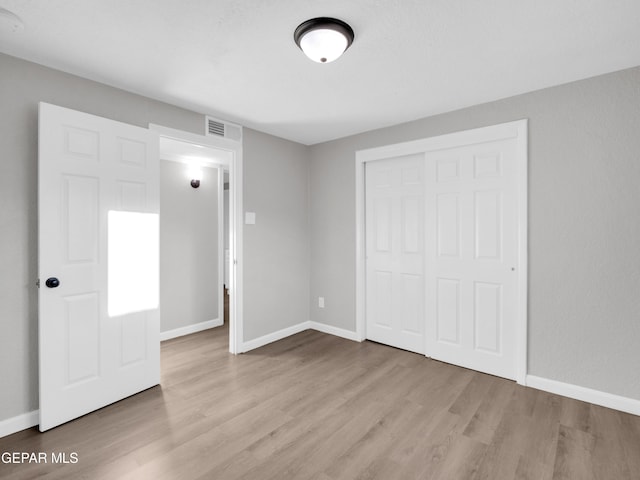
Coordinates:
[10,20]
[323,39]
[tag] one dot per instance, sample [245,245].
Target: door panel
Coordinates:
[412,222]
[448,311]
[395,252]
[80,217]
[131,196]
[488,225]
[411,299]
[383,309]
[88,167]
[471,284]
[382,222]
[82,337]
[487,317]
[448,225]
[133,339]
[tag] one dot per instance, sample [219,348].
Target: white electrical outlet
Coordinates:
[321,302]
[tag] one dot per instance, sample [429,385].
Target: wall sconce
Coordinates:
[195,174]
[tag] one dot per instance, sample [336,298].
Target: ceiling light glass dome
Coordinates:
[323,39]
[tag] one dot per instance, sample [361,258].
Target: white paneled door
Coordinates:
[98,262]
[472,245]
[442,248]
[395,252]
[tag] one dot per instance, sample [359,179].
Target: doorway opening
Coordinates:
[210,246]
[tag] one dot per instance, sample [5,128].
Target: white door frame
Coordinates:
[517,130]
[234,148]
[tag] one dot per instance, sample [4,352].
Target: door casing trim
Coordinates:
[235,223]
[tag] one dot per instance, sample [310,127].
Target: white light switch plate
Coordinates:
[250,218]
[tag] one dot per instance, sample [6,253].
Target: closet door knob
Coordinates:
[52,282]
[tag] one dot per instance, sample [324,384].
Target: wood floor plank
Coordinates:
[462,460]
[630,437]
[608,455]
[486,418]
[380,469]
[575,414]
[354,425]
[424,453]
[317,407]
[472,396]
[574,455]
[375,442]
[541,440]
[507,446]
[532,470]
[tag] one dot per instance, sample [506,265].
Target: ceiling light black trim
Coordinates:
[324,22]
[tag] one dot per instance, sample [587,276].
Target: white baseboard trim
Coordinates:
[18,423]
[300,327]
[274,337]
[196,327]
[331,330]
[589,395]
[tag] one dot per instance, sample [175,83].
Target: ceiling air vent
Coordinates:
[220,128]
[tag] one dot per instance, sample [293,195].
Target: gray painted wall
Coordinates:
[22,86]
[188,247]
[584,225]
[276,288]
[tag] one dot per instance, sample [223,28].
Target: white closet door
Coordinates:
[471,256]
[395,252]
[98,262]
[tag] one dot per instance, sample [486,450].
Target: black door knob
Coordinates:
[52,282]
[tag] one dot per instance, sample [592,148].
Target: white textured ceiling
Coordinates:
[237,60]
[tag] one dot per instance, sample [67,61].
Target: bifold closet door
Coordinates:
[471,282]
[395,252]
[441,254]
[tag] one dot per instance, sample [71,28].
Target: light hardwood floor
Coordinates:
[314,406]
